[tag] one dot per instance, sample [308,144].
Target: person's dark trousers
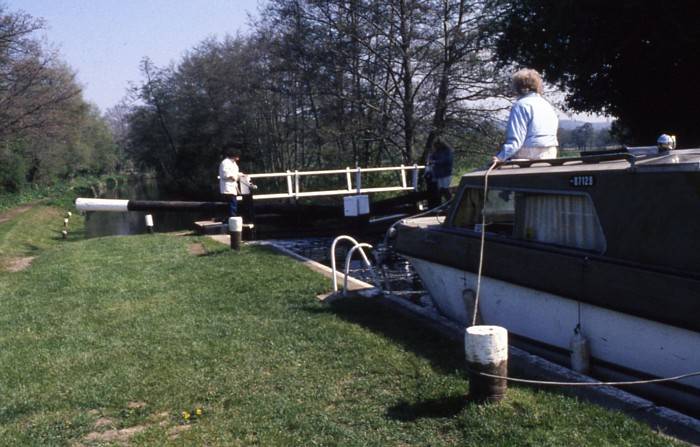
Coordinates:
[433,194]
[232,205]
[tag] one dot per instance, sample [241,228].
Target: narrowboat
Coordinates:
[606,245]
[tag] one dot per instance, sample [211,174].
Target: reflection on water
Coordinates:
[133,222]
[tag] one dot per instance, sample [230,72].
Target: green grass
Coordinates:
[96,324]
[32,229]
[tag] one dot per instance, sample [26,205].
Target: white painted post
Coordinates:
[290,191]
[414,180]
[235,229]
[64,234]
[403,176]
[348,177]
[65,223]
[69,214]
[149,223]
[358,179]
[296,183]
[486,351]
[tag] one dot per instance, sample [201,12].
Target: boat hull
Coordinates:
[630,345]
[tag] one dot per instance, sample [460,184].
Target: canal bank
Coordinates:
[114,333]
[522,364]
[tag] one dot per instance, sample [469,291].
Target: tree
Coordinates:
[319,84]
[635,60]
[34,84]
[46,129]
[584,136]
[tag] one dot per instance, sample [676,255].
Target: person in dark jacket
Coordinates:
[440,163]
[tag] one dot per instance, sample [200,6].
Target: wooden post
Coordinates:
[235,229]
[486,351]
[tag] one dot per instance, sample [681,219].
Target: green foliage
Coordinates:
[47,131]
[585,137]
[138,331]
[12,170]
[61,193]
[319,85]
[627,59]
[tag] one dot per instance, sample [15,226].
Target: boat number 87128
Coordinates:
[582,180]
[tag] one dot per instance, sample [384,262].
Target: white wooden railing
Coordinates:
[294,190]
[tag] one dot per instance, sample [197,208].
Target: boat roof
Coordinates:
[676,160]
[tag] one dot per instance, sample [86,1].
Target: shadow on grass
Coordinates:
[444,355]
[443,407]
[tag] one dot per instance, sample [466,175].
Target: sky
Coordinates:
[104,40]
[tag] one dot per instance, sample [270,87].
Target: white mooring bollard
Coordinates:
[486,351]
[149,223]
[235,230]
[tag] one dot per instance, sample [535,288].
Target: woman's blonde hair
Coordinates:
[526,81]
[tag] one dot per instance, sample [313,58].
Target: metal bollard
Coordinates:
[235,230]
[486,351]
[149,223]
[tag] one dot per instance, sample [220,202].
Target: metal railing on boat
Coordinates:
[586,158]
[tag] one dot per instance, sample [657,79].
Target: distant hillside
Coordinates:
[573,124]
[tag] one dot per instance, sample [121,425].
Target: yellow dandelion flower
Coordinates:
[185,415]
[198,411]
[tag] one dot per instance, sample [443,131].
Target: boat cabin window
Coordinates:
[559,219]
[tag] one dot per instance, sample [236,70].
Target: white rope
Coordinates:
[483,240]
[543,382]
[546,382]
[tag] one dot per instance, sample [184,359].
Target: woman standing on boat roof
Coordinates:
[531,131]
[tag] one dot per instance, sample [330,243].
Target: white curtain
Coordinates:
[563,220]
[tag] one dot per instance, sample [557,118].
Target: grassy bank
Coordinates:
[60,193]
[119,336]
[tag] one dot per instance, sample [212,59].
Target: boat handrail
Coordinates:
[587,159]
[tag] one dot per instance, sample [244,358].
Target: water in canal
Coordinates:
[138,188]
[397,271]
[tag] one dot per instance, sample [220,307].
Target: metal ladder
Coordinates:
[356,246]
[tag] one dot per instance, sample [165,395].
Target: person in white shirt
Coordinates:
[531,132]
[228,180]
